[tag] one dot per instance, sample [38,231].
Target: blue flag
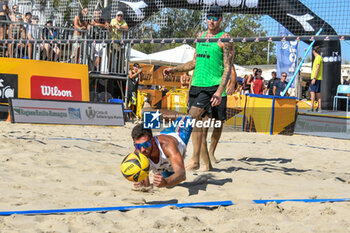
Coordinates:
[287,55]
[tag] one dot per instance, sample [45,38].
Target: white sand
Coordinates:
[40,169]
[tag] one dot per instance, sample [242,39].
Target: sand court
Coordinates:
[58,167]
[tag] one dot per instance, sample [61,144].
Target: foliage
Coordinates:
[188,23]
[253,52]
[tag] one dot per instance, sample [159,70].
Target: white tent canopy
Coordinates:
[175,56]
[137,54]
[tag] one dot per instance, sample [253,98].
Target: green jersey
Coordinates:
[209,64]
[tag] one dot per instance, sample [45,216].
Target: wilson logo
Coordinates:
[54,91]
[54,88]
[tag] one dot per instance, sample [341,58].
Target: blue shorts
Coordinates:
[166,174]
[317,87]
[184,131]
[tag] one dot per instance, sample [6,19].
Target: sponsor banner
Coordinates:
[153,75]
[323,126]
[45,80]
[55,88]
[66,112]
[287,54]
[8,87]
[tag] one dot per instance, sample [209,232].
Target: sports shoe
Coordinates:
[310,110]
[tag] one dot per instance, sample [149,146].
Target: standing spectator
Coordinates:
[4,10]
[118,23]
[134,77]
[245,85]
[80,23]
[280,85]
[316,78]
[271,83]
[258,85]
[118,26]
[99,28]
[50,34]
[16,32]
[185,80]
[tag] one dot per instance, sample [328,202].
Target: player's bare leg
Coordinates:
[215,137]
[204,155]
[196,114]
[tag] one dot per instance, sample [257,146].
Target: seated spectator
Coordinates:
[16,32]
[4,11]
[99,30]
[280,85]
[13,12]
[345,81]
[118,23]
[80,23]
[49,33]
[258,85]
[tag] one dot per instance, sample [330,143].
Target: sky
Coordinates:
[334,12]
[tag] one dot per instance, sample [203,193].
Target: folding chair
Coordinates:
[342,89]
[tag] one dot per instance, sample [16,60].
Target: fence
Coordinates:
[96,47]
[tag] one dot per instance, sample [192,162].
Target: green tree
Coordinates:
[250,53]
[180,24]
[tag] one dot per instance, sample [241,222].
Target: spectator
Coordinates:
[345,81]
[245,85]
[271,83]
[185,80]
[16,32]
[4,10]
[134,77]
[99,29]
[80,23]
[50,34]
[118,23]
[12,13]
[258,85]
[316,79]
[34,34]
[280,85]
[30,32]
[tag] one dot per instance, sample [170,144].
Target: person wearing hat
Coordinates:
[118,23]
[212,64]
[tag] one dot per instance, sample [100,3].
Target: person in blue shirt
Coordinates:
[280,85]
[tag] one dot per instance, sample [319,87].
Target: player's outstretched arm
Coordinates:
[177,163]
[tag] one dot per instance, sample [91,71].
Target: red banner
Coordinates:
[54,88]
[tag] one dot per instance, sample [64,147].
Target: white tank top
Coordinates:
[164,162]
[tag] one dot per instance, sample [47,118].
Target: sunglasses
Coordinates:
[215,18]
[144,145]
[284,75]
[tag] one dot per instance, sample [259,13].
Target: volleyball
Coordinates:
[135,167]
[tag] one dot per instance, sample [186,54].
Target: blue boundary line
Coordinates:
[278,201]
[182,205]
[119,208]
[272,96]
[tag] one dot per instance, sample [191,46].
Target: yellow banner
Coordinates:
[44,80]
